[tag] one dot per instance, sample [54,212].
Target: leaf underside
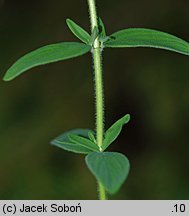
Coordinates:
[63,141]
[47,54]
[141,37]
[110,168]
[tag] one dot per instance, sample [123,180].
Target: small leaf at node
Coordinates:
[78,31]
[85,142]
[64,142]
[93,36]
[91,137]
[101,27]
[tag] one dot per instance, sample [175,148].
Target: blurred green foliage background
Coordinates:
[151,85]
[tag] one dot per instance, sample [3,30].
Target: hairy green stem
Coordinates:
[99,96]
[97,58]
[102,192]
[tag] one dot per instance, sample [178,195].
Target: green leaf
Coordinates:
[112,133]
[140,37]
[93,36]
[64,142]
[102,31]
[78,31]
[91,137]
[44,55]
[84,142]
[110,168]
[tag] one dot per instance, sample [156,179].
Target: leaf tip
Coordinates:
[128,116]
[68,20]
[7,78]
[51,142]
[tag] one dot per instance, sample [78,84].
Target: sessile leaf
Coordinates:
[110,168]
[85,142]
[113,132]
[63,141]
[44,55]
[141,37]
[78,31]
[102,30]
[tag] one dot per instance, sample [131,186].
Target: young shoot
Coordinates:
[109,168]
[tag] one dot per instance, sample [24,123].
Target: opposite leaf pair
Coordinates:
[84,36]
[110,168]
[132,37]
[83,140]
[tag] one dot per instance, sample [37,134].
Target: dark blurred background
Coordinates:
[151,85]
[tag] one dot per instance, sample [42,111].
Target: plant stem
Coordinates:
[97,59]
[99,96]
[102,192]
